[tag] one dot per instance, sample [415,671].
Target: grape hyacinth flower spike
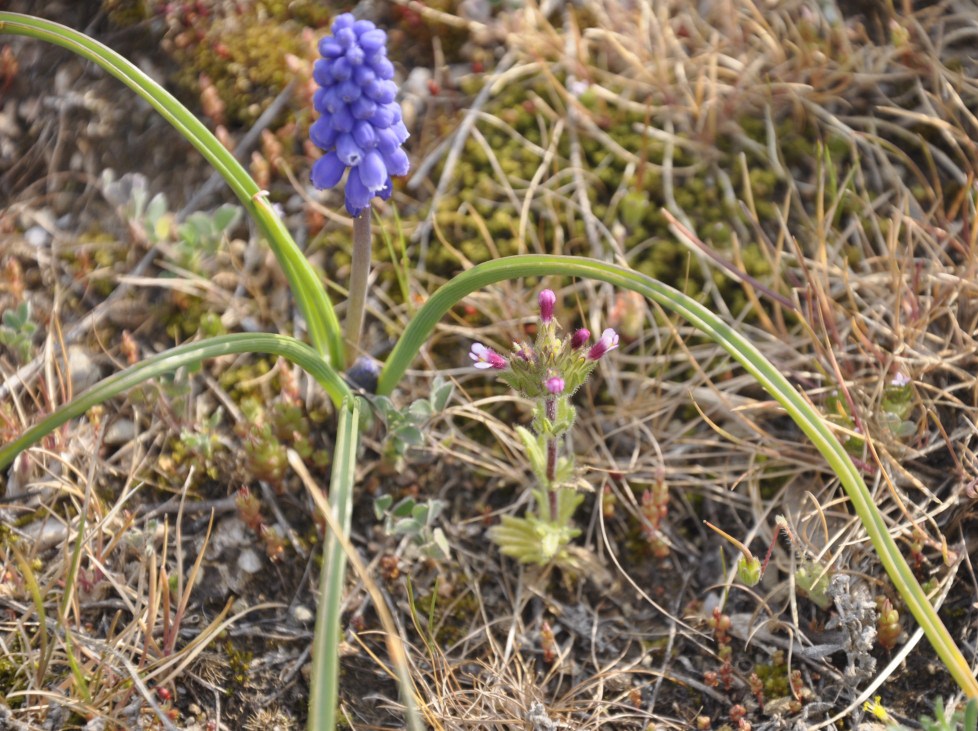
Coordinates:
[360,126]
[361,131]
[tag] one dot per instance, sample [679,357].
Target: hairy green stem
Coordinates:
[550,407]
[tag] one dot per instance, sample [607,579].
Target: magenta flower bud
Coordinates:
[607,341]
[484,357]
[579,338]
[555,385]
[524,353]
[547,300]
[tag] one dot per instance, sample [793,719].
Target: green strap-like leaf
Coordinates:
[167,362]
[324,688]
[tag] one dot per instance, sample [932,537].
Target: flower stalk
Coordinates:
[359,276]
[361,131]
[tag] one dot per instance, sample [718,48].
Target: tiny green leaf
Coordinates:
[534,451]
[441,394]
[155,210]
[407,527]
[226,216]
[410,435]
[385,406]
[420,513]
[403,508]
[420,411]
[382,504]
[441,543]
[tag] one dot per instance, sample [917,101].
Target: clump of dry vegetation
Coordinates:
[807,171]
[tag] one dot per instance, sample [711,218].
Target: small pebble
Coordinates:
[37,237]
[84,371]
[249,562]
[119,432]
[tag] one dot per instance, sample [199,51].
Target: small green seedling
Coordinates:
[416,521]
[17,331]
[404,425]
[812,580]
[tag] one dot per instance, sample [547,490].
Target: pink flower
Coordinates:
[547,300]
[900,379]
[555,385]
[484,357]
[607,341]
[579,338]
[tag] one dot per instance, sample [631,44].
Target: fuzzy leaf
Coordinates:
[156,209]
[441,394]
[565,470]
[420,513]
[410,435]
[403,508]
[566,413]
[386,407]
[16,318]
[534,451]
[382,505]
[439,541]
[226,216]
[419,411]
[434,509]
[531,540]
[407,527]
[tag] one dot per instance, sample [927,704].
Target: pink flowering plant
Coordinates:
[549,372]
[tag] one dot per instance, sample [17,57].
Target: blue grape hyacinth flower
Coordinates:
[360,126]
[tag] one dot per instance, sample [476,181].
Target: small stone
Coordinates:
[303,614]
[417,82]
[119,432]
[249,561]
[84,372]
[37,237]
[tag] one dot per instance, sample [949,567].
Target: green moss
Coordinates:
[451,615]
[125,13]
[630,198]
[245,61]
[184,318]
[239,666]
[232,381]
[313,13]
[774,676]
